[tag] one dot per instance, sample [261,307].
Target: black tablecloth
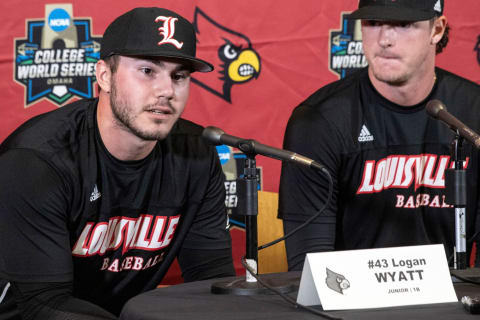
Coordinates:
[194,301]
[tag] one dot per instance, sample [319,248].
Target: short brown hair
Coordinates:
[442,44]
[444,41]
[112,62]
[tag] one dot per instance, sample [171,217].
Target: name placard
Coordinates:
[376,278]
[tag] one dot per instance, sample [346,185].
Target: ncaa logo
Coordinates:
[223,153]
[59,20]
[346,49]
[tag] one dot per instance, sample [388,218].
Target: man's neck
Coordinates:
[410,93]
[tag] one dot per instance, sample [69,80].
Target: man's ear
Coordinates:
[104,75]
[439,26]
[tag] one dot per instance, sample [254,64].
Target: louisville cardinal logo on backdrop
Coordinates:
[232,55]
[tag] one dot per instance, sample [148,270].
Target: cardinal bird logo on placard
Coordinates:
[336,281]
[231,53]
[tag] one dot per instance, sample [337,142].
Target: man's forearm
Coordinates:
[205,264]
[54,301]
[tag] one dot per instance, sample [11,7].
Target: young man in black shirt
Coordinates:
[387,157]
[100,196]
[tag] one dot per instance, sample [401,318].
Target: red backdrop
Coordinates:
[294,43]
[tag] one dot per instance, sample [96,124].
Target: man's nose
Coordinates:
[163,86]
[387,35]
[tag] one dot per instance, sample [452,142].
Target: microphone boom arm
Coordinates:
[252,147]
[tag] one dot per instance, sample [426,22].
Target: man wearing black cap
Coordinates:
[103,194]
[387,157]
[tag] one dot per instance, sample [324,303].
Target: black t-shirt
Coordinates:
[387,162]
[69,211]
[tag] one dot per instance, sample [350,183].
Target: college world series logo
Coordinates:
[57,58]
[346,49]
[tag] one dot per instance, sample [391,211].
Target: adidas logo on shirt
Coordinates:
[95,194]
[365,135]
[4,292]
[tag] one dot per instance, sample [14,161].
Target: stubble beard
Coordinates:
[402,76]
[390,78]
[124,119]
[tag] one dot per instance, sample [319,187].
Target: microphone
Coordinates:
[436,109]
[217,136]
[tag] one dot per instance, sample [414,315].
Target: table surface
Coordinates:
[195,301]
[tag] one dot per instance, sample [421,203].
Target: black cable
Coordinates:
[465,279]
[472,238]
[287,298]
[319,212]
[278,292]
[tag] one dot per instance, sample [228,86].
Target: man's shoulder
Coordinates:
[451,79]
[186,137]
[461,96]
[188,148]
[333,101]
[185,127]
[338,94]
[53,130]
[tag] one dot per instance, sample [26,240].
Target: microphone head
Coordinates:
[434,107]
[213,135]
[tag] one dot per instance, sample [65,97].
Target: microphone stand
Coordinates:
[249,208]
[456,187]
[251,212]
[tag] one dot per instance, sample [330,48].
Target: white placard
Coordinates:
[376,278]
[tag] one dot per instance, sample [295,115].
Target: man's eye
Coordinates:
[147,71]
[405,24]
[179,76]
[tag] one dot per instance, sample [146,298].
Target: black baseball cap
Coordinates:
[398,10]
[153,32]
